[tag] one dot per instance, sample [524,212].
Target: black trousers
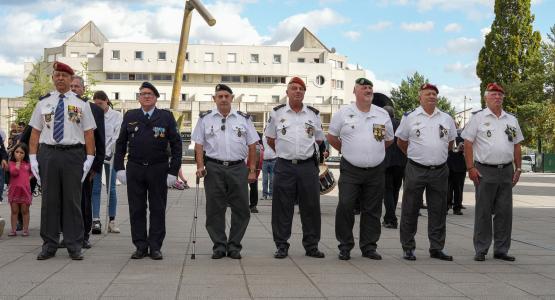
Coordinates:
[253,194]
[456,186]
[147,187]
[296,182]
[393,181]
[86,206]
[366,185]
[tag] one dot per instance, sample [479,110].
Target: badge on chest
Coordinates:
[159,132]
[379,132]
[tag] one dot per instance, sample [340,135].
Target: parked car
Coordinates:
[528,163]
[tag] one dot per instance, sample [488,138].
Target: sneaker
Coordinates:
[112,227]
[2,224]
[96,227]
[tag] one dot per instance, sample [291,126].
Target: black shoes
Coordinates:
[234,254]
[87,244]
[344,255]
[44,255]
[409,254]
[156,255]
[254,210]
[315,253]
[389,225]
[281,253]
[457,212]
[439,254]
[372,254]
[76,255]
[139,254]
[218,254]
[480,257]
[96,227]
[504,256]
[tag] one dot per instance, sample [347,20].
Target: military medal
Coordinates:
[511,132]
[352,126]
[488,133]
[417,132]
[238,132]
[283,131]
[442,131]
[379,132]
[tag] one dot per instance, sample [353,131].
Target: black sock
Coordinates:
[112,218]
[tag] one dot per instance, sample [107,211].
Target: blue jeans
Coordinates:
[267,177]
[97,189]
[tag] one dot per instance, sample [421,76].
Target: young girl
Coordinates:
[19,193]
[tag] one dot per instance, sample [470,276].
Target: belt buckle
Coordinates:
[500,166]
[433,167]
[144,163]
[294,161]
[225,163]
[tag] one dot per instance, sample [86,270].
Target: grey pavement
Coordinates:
[107,272]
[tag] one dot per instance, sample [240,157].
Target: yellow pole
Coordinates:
[181,53]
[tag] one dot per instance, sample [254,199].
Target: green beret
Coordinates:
[364,81]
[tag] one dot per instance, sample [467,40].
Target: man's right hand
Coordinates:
[201,172]
[474,175]
[121,175]
[34,167]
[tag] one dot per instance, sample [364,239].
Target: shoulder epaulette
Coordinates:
[279,107]
[475,112]
[204,114]
[408,113]
[314,110]
[45,96]
[246,116]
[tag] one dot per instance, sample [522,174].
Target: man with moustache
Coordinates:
[425,135]
[361,132]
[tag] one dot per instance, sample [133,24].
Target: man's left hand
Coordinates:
[516,177]
[171,180]
[252,177]
[87,166]
[4,165]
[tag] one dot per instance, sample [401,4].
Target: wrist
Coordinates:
[472,167]
[252,170]
[518,170]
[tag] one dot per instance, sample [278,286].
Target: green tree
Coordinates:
[548,54]
[511,55]
[405,97]
[90,80]
[41,83]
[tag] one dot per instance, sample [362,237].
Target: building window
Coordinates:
[91,55]
[162,77]
[252,98]
[208,56]
[339,84]
[115,95]
[187,56]
[231,78]
[115,54]
[277,58]
[185,77]
[184,97]
[316,60]
[161,55]
[208,78]
[254,58]
[113,76]
[339,64]
[319,99]
[300,60]
[139,76]
[139,55]
[74,54]
[232,57]
[275,99]
[320,80]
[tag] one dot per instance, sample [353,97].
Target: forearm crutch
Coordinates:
[108,188]
[195,217]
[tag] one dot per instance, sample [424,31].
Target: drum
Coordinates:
[327,181]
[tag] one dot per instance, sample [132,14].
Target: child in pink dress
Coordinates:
[19,192]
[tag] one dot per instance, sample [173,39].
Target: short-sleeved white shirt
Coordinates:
[428,135]
[491,136]
[112,125]
[78,118]
[230,144]
[269,153]
[295,133]
[362,134]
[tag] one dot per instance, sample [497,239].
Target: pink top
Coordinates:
[20,184]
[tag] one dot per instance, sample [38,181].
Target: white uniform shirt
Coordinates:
[230,144]
[490,136]
[269,153]
[428,135]
[295,133]
[112,125]
[362,134]
[78,118]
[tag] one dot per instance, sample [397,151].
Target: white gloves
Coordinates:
[121,175]
[35,167]
[171,180]
[87,166]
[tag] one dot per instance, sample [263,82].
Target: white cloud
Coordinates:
[456,95]
[352,35]
[12,71]
[467,70]
[484,31]
[423,26]
[379,26]
[452,27]
[474,9]
[463,44]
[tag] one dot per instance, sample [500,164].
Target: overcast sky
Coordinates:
[389,38]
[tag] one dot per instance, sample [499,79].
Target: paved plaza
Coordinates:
[108,272]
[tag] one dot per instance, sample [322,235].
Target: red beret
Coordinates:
[494,87]
[61,67]
[429,86]
[298,81]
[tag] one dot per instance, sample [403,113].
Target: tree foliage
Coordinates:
[41,83]
[511,55]
[405,97]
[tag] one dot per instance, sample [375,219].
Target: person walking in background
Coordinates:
[268,165]
[253,186]
[457,175]
[19,193]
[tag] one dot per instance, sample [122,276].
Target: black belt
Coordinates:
[298,161]
[360,168]
[225,163]
[271,159]
[426,167]
[147,163]
[62,147]
[500,166]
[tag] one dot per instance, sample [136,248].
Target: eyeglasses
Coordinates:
[146,94]
[223,124]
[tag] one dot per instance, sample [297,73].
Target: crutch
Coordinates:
[108,188]
[195,217]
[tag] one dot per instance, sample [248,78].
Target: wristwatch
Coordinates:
[252,170]
[518,170]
